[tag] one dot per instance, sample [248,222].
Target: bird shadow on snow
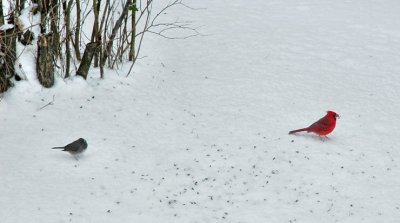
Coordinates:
[315,137]
[67,157]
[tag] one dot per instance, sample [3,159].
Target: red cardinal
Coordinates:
[322,127]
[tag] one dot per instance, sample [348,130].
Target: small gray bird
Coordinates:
[75,148]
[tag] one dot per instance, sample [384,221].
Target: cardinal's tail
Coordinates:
[299,130]
[57,148]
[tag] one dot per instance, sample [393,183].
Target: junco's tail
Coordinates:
[57,148]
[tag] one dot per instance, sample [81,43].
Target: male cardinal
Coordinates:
[322,127]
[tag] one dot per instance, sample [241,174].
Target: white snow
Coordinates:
[198,133]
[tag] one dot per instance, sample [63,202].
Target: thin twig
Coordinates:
[50,103]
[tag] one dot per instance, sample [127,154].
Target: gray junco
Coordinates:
[77,147]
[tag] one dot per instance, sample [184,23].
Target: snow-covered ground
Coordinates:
[198,133]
